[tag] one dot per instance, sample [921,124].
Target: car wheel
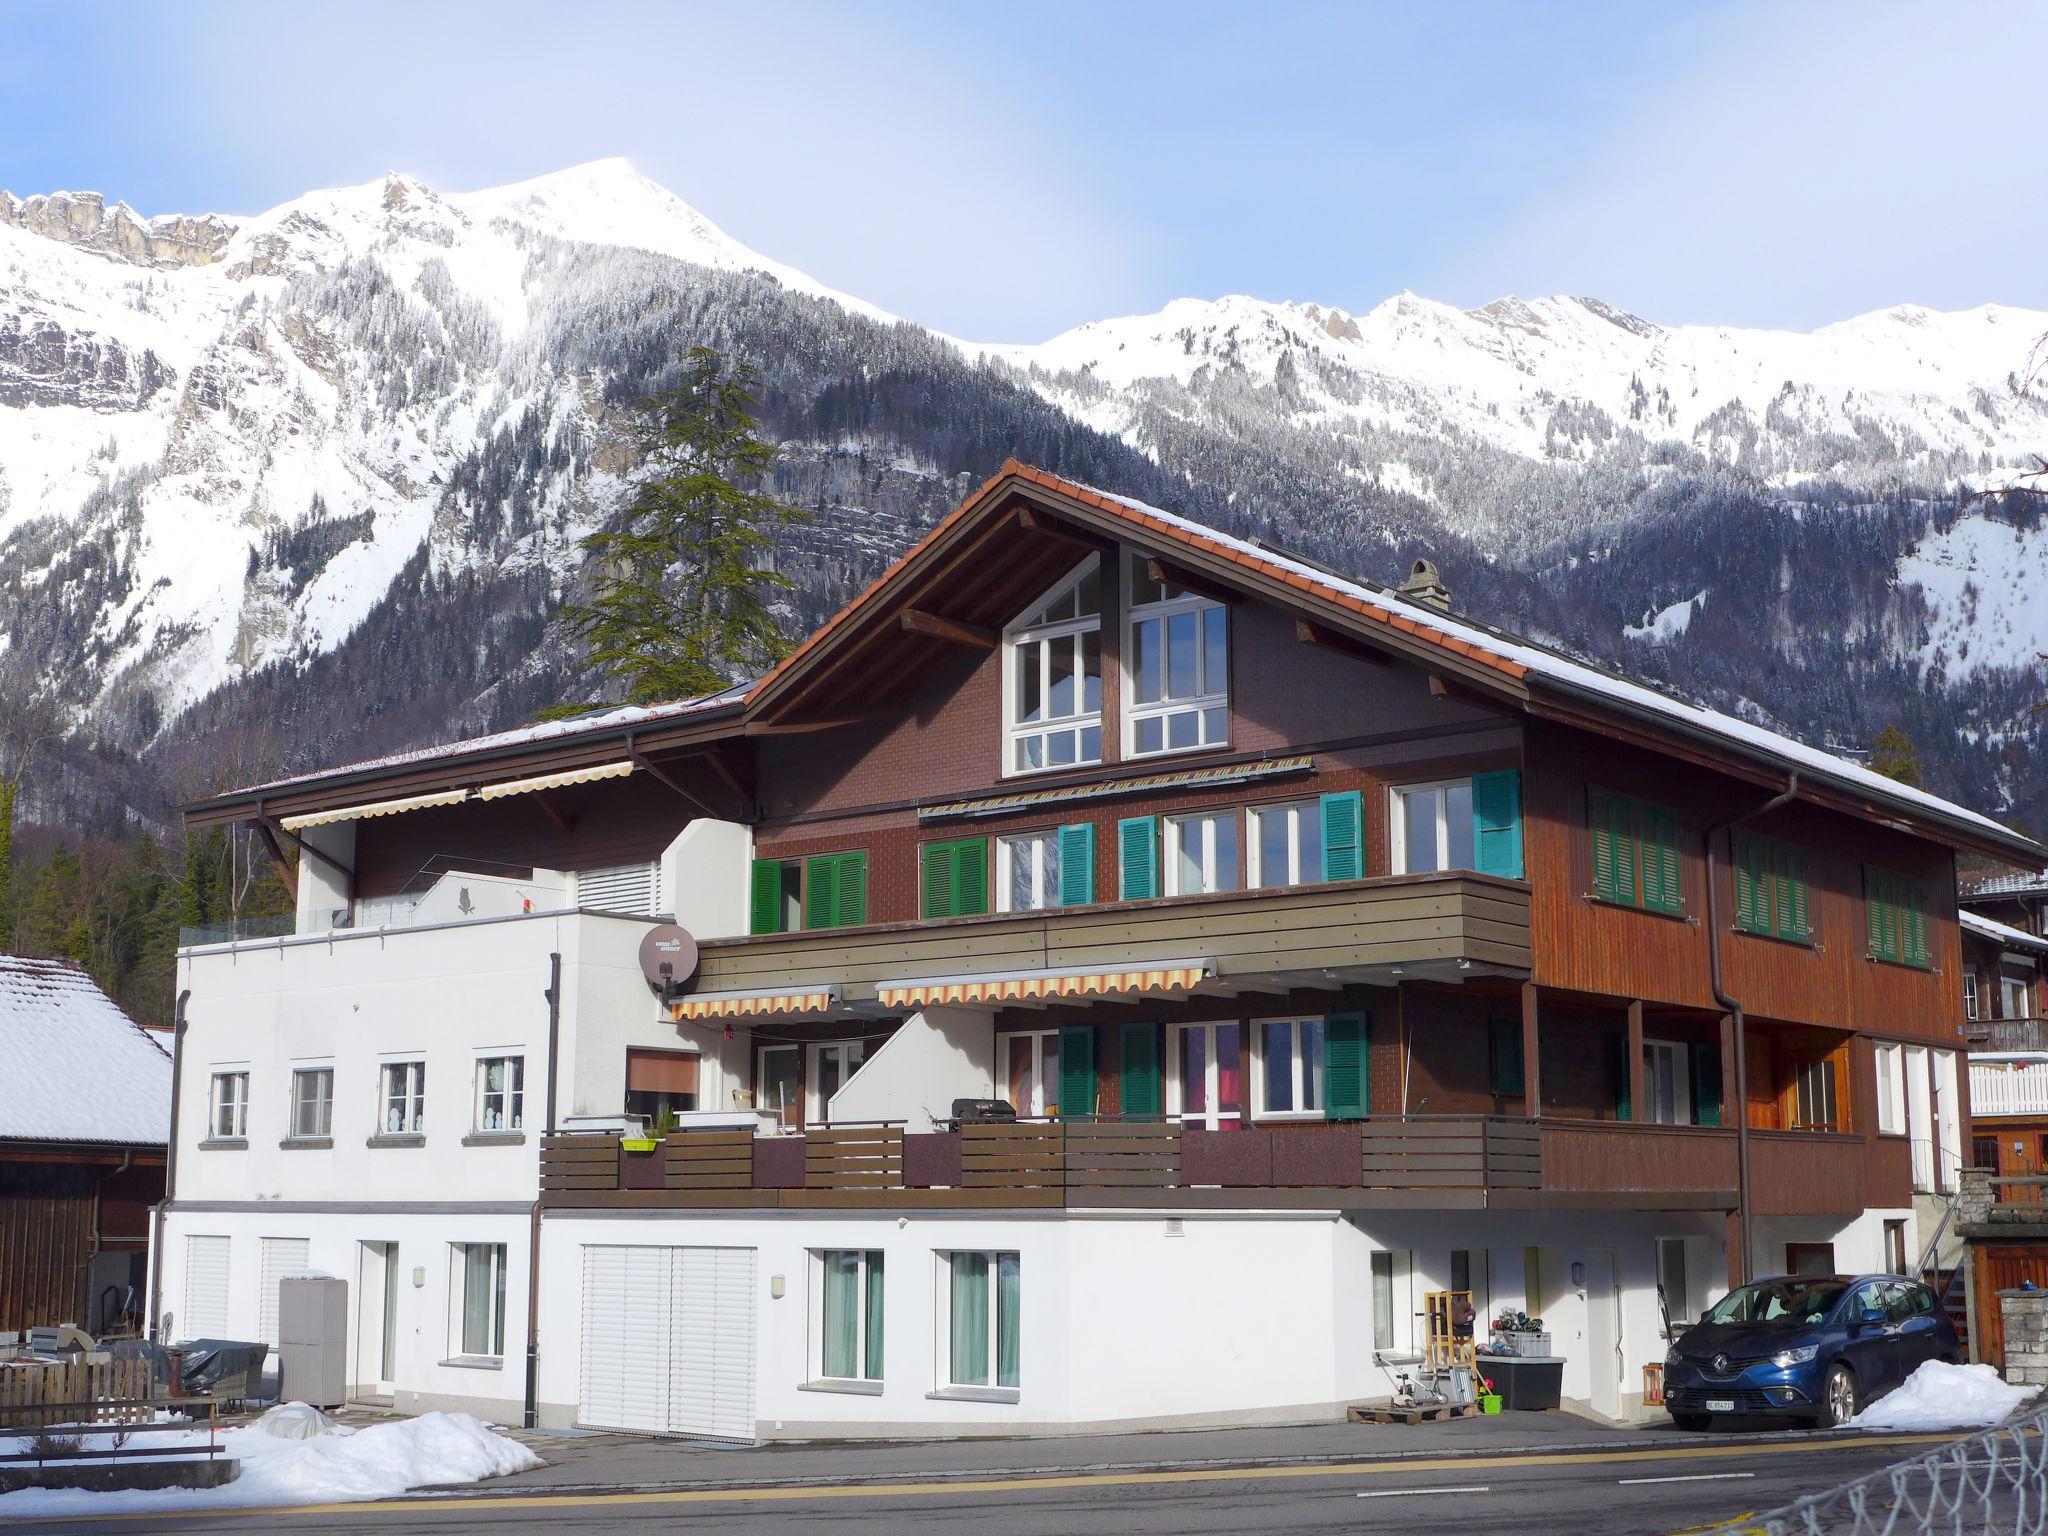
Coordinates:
[1691,1420]
[1838,1398]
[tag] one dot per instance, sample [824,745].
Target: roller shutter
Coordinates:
[668,1341]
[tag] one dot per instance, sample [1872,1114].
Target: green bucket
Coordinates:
[1489,1402]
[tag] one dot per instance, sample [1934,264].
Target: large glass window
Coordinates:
[1291,1066]
[1178,650]
[481,1267]
[1052,666]
[501,1093]
[230,1106]
[984,1296]
[1286,843]
[1207,1085]
[1028,872]
[313,1101]
[404,1099]
[850,1315]
[1201,853]
[1432,827]
[1030,1066]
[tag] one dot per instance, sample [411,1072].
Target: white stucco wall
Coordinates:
[705,872]
[938,1055]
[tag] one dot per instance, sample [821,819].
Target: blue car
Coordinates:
[1815,1348]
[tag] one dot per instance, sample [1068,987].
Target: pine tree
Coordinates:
[680,589]
[1894,755]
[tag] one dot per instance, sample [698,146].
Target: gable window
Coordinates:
[1201,853]
[1291,1067]
[1030,1064]
[501,1093]
[1431,827]
[230,1117]
[776,896]
[1286,844]
[313,1102]
[1177,658]
[1770,888]
[1635,853]
[1052,677]
[1895,916]
[849,1315]
[403,1096]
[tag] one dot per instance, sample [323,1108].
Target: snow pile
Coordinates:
[381,1462]
[297,1421]
[1942,1396]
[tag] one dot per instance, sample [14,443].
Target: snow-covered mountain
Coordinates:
[312,479]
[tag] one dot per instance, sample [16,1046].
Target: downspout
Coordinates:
[554,997]
[1733,1009]
[99,1237]
[156,1242]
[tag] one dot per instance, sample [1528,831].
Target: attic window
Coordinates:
[1052,677]
[1178,655]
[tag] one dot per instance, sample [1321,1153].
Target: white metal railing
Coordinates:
[2008,1088]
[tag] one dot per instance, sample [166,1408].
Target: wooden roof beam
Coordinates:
[1170,574]
[919,622]
[1310,633]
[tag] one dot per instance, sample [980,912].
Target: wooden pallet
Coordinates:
[1387,1413]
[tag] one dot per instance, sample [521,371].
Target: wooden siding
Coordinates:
[1623,1156]
[1795,1173]
[45,1242]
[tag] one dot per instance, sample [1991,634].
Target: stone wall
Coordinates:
[1974,1198]
[2026,1336]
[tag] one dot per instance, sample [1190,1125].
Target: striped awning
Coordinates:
[1024,986]
[755,1005]
[458,796]
[554,780]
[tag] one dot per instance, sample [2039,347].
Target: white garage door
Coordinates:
[206,1290]
[668,1341]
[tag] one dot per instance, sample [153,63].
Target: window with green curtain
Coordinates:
[1636,860]
[1137,842]
[1009,1309]
[955,878]
[483,1299]
[1343,836]
[836,890]
[1504,1054]
[1895,911]
[1497,823]
[1077,864]
[1347,1067]
[1771,896]
[967,1364]
[874,1309]
[841,1356]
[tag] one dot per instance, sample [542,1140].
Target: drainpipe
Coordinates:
[99,1237]
[1733,1008]
[554,997]
[156,1267]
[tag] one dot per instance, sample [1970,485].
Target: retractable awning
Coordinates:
[458,796]
[1025,986]
[755,1004]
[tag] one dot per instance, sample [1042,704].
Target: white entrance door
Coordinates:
[1603,1333]
[377,1319]
[668,1341]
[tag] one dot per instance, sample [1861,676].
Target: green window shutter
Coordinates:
[1744,857]
[1077,1071]
[1347,1067]
[1140,1050]
[955,878]
[936,860]
[1706,1084]
[1624,1094]
[821,891]
[1662,891]
[851,878]
[1137,841]
[1606,856]
[1497,823]
[1077,864]
[1505,1054]
[764,902]
[1873,910]
[1798,915]
[1343,836]
[1913,921]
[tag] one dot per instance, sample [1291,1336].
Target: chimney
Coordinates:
[1424,586]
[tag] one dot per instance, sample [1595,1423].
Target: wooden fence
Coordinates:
[118,1392]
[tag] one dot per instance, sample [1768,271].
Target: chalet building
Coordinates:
[1332,947]
[2002,1001]
[85,1108]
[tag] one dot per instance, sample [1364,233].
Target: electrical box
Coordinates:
[312,1333]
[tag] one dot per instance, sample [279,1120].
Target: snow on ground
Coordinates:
[380,1462]
[1942,1396]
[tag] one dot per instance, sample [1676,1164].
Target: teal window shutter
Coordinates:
[1077,864]
[1347,1067]
[764,901]
[1706,1084]
[1077,1070]
[1343,836]
[1497,823]
[1137,841]
[1139,1044]
[1505,1057]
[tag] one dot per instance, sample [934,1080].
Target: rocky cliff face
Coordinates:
[83,219]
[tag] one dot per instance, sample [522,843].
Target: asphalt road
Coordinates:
[1666,1488]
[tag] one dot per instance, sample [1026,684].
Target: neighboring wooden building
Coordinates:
[85,1112]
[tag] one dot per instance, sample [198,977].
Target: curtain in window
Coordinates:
[874,1360]
[970,1319]
[477,1292]
[1009,1297]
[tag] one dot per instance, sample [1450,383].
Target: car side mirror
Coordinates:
[1870,1317]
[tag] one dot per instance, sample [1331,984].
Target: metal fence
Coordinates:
[1990,1484]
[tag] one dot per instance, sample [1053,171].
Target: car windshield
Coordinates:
[1779,1303]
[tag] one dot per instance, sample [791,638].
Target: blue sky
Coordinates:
[1003,172]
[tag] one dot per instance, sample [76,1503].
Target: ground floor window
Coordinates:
[1895,1247]
[480,1322]
[850,1315]
[1390,1271]
[984,1294]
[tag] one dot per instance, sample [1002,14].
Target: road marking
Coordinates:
[1409,1493]
[1688,1477]
[794,1493]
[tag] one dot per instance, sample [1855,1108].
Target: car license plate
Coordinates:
[1720,1405]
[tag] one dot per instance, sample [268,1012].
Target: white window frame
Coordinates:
[761,1104]
[1174,827]
[863,1381]
[1298,1069]
[944,1314]
[294,1131]
[1397,824]
[1039,1096]
[1970,1003]
[458,1299]
[818,1111]
[1891,1089]
[236,1101]
[514,1093]
[1300,814]
[409,1076]
[1017,638]
[1046,891]
[1212,1118]
[2009,987]
[1206,697]
[1679,1055]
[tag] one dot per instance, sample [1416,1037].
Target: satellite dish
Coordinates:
[668,959]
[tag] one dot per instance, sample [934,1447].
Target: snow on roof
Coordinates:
[2018,882]
[547,730]
[2003,933]
[73,1067]
[1467,634]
